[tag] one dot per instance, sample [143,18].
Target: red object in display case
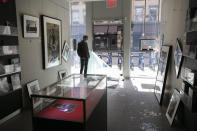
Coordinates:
[74,103]
[55,113]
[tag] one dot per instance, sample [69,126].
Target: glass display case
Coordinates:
[74,103]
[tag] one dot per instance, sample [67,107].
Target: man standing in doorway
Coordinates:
[84,55]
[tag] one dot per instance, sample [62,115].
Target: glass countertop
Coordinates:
[74,86]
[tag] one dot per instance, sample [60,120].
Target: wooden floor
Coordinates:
[129,109]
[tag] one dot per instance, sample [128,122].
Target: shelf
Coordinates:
[9,35]
[9,56]
[10,92]
[8,74]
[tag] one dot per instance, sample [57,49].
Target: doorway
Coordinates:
[108,43]
[145,39]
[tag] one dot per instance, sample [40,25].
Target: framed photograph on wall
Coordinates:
[65,52]
[178,56]
[52,36]
[30,26]
[173,106]
[162,73]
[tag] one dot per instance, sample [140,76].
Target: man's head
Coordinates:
[85,37]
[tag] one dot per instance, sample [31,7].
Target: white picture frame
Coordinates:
[62,74]
[173,106]
[65,51]
[34,87]
[52,41]
[31,26]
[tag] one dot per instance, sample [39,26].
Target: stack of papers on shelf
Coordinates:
[4,86]
[5,30]
[8,50]
[9,68]
[16,83]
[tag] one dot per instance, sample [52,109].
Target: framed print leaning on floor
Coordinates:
[178,56]
[52,41]
[173,106]
[162,73]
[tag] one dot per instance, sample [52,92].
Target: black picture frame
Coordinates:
[173,106]
[178,58]
[52,41]
[162,73]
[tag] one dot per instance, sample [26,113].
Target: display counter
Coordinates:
[74,103]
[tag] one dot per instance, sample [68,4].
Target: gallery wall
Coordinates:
[173,26]
[31,48]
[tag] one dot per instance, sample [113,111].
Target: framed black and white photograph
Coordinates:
[173,106]
[52,42]
[178,58]
[65,52]
[33,87]
[162,73]
[30,26]
[62,74]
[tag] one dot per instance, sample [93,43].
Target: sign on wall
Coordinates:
[111,3]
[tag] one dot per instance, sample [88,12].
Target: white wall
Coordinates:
[172,26]
[31,53]
[101,12]
[127,37]
[89,23]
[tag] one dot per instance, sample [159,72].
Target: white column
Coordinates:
[127,36]
[89,23]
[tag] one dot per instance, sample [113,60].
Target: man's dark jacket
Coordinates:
[82,50]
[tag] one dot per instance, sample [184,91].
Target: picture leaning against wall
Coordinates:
[162,73]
